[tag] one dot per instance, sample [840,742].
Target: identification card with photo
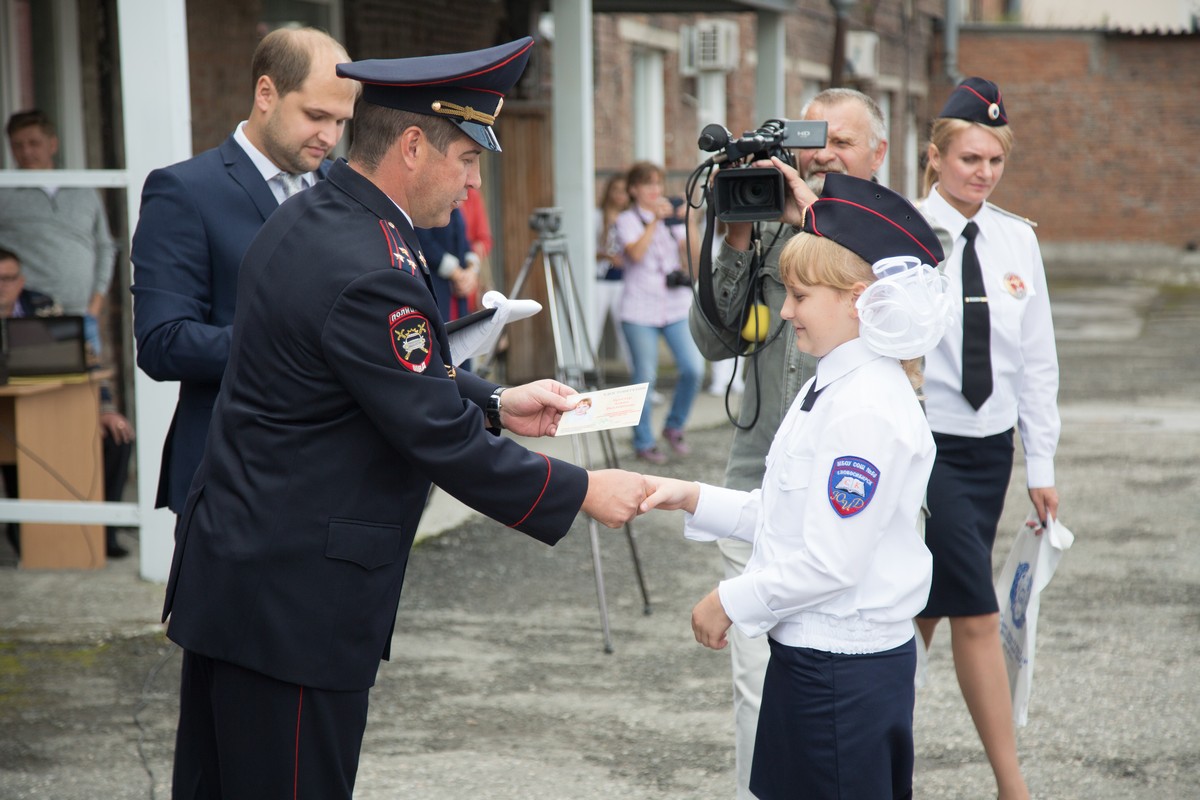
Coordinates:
[608,408]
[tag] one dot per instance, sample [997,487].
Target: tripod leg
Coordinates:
[575,357]
[583,457]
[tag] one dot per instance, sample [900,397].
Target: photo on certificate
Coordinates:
[608,408]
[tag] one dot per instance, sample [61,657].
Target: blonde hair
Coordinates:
[942,134]
[811,260]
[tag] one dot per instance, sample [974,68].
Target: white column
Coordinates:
[574,141]
[649,125]
[711,102]
[885,105]
[770,72]
[157,102]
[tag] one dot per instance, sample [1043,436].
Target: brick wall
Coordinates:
[222,36]
[1106,126]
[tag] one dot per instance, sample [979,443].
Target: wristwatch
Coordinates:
[492,412]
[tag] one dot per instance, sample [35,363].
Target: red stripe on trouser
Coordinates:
[296,769]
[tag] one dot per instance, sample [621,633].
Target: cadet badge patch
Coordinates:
[410,333]
[1014,285]
[852,482]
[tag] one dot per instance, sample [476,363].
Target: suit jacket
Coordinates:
[197,219]
[339,407]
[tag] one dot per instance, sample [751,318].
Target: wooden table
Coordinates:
[50,428]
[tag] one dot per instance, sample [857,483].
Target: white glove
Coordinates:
[474,340]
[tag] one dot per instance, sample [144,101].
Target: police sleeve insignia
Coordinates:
[411,334]
[852,482]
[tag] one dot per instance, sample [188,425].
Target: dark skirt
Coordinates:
[835,726]
[965,498]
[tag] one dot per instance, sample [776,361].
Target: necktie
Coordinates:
[977,327]
[811,397]
[291,183]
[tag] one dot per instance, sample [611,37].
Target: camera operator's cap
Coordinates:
[465,88]
[871,221]
[976,100]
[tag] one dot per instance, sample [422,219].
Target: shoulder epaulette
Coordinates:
[1026,220]
[400,257]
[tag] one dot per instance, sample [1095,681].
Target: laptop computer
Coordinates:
[34,346]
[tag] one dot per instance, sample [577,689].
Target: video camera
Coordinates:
[742,193]
[546,221]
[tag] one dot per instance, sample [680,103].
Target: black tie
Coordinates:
[977,327]
[811,397]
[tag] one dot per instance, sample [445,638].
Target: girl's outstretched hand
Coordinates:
[670,494]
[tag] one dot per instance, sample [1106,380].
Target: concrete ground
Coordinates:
[500,687]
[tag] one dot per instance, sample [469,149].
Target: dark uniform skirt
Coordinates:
[965,498]
[835,726]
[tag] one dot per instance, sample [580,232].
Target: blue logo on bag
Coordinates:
[1018,594]
[852,482]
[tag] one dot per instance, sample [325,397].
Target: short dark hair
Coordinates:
[27,119]
[285,55]
[374,129]
[6,255]
[643,172]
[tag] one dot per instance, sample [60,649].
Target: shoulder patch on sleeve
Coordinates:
[411,335]
[852,482]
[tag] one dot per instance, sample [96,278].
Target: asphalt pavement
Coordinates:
[500,686]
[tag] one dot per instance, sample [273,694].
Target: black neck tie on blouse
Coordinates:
[810,397]
[977,327]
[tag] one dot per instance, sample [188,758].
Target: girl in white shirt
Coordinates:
[838,568]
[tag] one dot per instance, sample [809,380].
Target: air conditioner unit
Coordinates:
[708,46]
[862,54]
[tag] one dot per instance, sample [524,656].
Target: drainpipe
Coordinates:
[953,21]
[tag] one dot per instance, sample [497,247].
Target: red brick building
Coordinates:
[1106,125]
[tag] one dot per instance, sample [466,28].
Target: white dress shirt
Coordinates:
[270,173]
[847,581]
[1024,357]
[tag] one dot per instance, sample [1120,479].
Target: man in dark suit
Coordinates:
[339,408]
[199,216]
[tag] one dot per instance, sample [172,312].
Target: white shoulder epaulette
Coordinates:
[1026,220]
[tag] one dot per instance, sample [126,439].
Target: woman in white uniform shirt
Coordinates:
[970,143]
[838,567]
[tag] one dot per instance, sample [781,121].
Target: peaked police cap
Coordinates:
[467,89]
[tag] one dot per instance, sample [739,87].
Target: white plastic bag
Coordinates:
[1030,566]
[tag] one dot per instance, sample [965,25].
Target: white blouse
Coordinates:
[1024,357]
[838,564]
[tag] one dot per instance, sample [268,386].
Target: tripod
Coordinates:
[576,365]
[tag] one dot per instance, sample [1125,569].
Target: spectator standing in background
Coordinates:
[60,233]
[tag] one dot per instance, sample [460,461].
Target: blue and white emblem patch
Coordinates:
[852,482]
[1019,593]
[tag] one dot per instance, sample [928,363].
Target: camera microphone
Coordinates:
[713,138]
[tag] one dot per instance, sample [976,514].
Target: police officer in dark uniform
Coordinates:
[339,407]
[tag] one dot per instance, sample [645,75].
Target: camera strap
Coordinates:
[708,303]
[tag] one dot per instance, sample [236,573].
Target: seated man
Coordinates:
[17,301]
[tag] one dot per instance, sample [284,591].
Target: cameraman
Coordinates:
[655,302]
[855,144]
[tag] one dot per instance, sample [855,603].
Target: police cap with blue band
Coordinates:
[871,221]
[464,88]
[976,100]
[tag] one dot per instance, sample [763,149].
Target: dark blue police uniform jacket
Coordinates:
[337,410]
[197,218]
